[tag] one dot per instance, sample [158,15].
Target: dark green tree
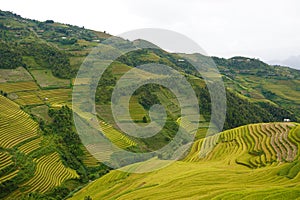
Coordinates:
[145,119]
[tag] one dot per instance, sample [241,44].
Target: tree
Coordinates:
[49,21]
[145,119]
[87,198]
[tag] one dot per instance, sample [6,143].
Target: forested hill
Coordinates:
[62,48]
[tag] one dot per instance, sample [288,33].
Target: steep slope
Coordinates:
[250,162]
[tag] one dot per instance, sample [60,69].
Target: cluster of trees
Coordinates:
[105,87]
[148,99]
[10,57]
[68,141]
[49,57]
[241,112]
[240,63]
[3,93]
[143,56]
[45,56]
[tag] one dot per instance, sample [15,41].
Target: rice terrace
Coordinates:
[64,127]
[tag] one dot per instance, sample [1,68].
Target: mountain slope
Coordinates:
[37,74]
[21,149]
[250,162]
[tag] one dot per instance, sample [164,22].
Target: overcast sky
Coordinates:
[265,29]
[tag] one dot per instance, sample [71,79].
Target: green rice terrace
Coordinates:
[257,161]
[256,155]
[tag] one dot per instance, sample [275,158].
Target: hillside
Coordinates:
[258,161]
[259,82]
[42,156]
[24,157]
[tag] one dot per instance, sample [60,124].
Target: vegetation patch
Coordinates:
[45,79]
[14,75]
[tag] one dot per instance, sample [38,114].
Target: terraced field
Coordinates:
[15,125]
[137,112]
[8,176]
[116,137]
[7,171]
[14,75]
[45,79]
[88,159]
[56,96]
[17,129]
[186,124]
[31,146]
[254,145]
[258,161]
[50,172]
[28,98]
[18,86]
[5,160]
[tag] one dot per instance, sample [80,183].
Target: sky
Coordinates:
[264,29]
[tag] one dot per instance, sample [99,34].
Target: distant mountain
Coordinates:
[293,61]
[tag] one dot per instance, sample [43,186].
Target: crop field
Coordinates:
[115,136]
[254,146]
[188,126]
[15,125]
[287,89]
[119,69]
[6,163]
[136,110]
[282,92]
[56,96]
[203,180]
[88,159]
[46,79]
[8,176]
[50,172]
[14,75]
[76,62]
[248,162]
[5,160]
[41,112]
[31,146]
[18,86]
[27,98]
